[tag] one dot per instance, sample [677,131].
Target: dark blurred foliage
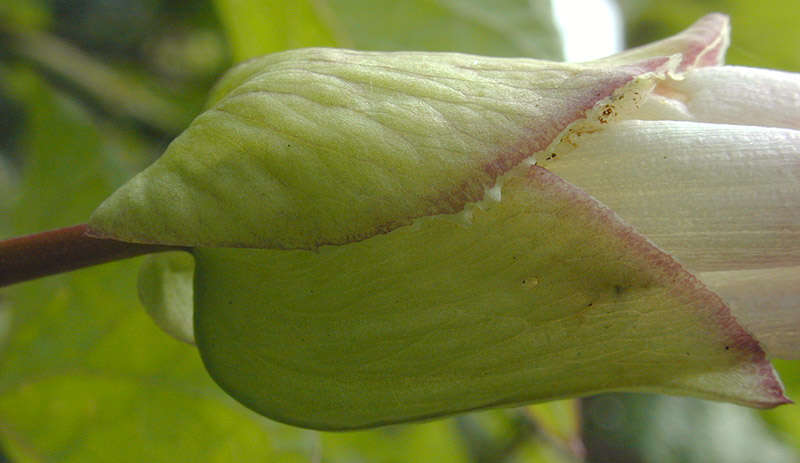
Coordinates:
[175,50]
[131,31]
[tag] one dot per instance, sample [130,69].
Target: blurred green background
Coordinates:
[91,91]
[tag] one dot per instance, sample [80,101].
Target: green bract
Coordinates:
[544,295]
[165,290]
[323,146]
[406,257]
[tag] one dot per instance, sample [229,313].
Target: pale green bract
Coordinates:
[543,295]
[323,146]
[412,249]
[165,281]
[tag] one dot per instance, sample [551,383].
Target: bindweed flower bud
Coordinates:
[385,237]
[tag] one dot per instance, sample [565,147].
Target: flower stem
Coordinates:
[62,250]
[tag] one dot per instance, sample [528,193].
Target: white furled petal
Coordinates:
[716,197]
[702,44]
[732,95]
[766,303]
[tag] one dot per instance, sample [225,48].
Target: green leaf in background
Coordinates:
[764,34]
[785,421]
[29,14]
[560,422]
[258,27]
[483,27]
[528,434]
[494,28]
[434,442]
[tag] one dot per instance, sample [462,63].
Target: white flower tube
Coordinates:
[717,197]
[720,195]
[732,95]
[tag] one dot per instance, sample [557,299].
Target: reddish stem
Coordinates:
[62,250]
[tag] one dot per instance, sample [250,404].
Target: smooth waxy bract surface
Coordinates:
[545,294]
